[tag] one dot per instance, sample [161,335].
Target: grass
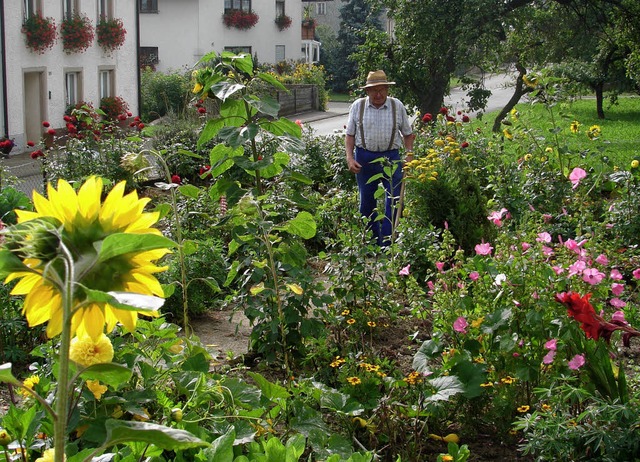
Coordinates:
[340,97]
[620,128]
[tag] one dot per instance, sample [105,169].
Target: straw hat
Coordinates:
[376,78]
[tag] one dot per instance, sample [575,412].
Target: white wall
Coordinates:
[185,30]
[54,62]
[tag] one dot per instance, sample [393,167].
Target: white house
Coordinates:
[39,85]
[175,34]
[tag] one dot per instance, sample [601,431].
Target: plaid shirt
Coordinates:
[378,124]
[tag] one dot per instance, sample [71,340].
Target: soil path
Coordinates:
[225,334]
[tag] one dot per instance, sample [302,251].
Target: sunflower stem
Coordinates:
[62,394]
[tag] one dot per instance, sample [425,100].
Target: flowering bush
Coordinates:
[283,22]
[110,34]
[39,33]
[77,33]
[6,145]
[239,19]
[114,107]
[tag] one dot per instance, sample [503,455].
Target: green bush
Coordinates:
[163,94]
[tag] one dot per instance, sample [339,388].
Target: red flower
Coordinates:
[202,110]
[581,310]
[140,126]
[464,145]
[444,110]
[176,179]
[465,118]
[204,169]
[46,124]
[36,154]
[51,131]
[31,144]
[427,118]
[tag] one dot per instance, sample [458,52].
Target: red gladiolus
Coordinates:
[581,310]
[140,126]
[176,179]
[36,154]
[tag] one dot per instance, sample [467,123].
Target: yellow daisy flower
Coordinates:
[29,383]
[87,351]
[82,222]
[96,388]
[48,456]
[354,380]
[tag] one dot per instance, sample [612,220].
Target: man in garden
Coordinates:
[377,128]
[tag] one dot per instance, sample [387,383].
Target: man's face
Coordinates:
[378,94]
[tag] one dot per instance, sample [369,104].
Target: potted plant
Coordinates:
[110,33]
[39,33]
[239,19]
[77,33]
[6,145]
[283,22]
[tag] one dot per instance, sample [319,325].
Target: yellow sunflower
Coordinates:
[81,223]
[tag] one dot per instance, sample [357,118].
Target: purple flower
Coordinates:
[404,271]
[484,248]
[460,325]
[592,276]
[576,175]
[576,362]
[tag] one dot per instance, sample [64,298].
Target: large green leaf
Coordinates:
[265,105]
[280,159]
[445,388]
[271,391]
[243,61]
[119,431]
[281,126]
[124,300]
[302,225]
[271,80]
[6,376]
[10,263]
[118,244]
[226,88]
[221,449]
[210,131]
[428,350]
[111,374]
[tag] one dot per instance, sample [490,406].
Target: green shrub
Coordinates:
[163,94]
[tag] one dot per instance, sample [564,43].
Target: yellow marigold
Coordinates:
[527,157]
[371,324]
[477,322]
[87,352]
[507,134]
[486,384]
[197,88]
[508,379]
[523,409]
[514,113]
[351,321]
[29,383]
[530,81]
[96,388]
[345,312]
[446,458]
[545,407]
[354,380]
[594,132]
[439,142]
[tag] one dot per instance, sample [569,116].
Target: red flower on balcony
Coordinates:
[239,19]
[77,34]
[39,33]
[110,34]
[283,22]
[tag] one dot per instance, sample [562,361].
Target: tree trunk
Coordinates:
[520,90]
[599,90]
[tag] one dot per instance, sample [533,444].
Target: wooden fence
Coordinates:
[299,98]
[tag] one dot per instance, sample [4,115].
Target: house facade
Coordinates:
[175,34]
[43,74]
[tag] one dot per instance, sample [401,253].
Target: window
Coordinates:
[238,49]
[105,9]
[321,8]
[69,8]
[148,6]
[106,83]
[280,56]
[244,5]
[149,56]
[31,7]
[279,8]
[72,88]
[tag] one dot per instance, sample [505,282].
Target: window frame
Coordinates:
[106,78]
[148,6]
[284,53]
[72,87]
[237,5]
[105,10]
[70,8]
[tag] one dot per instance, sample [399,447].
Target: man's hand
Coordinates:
[354,166]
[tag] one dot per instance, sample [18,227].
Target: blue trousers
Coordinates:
[389,172]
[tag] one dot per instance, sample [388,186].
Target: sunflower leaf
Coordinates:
[10,263]
[119,431]
[109,373]
[6,376]
[124,300]
[118,244]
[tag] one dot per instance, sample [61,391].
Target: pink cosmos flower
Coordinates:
[602,259]
[577,268]
[617,303]
[544,237]
[592,276]
[431,285]
[617,276]
[440,266]
[576,175]
[460,325]
[484,248]
[474,275]
[636,273]
[617,288]
[552,344]
[548,358]
[404,271]
[576,362]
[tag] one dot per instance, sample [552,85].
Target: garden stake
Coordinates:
[398,210]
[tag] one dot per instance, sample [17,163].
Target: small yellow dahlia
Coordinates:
[82,223]
[86,351]
[96,388]
[48,456]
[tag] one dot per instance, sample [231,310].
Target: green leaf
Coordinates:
[118,244]
[281,126]
[445,388]
[119,431]
[266,105]
[299,177]
[280,159]
[221,449]
[226,88]
[189,190]
[271,80]
[111,374]
[210,131]
[302,225]
[243,62]
[189,247]
[271,391]
[6,376]
[10,263]
[124,300]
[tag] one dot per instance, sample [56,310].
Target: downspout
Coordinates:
[5,109]
[139,76]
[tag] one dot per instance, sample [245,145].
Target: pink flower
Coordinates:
[577,268]
[617,276]
[548,358]
[551,344]
[636,273]
[516,355]
[484,248]
[558,270]
[547,217]
[574,246]
[525,246]
[496,217]
[474,275]
[431,285]
[618,316]
[547,251]
[544,237]
[602,259]
[439,265]
[299,123]
[617,303]
[592,276]
[617,288]
[460,325]
[576,175]
[405,271]
[577,362]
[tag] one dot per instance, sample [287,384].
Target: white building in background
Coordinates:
[40,86]
[175,34]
